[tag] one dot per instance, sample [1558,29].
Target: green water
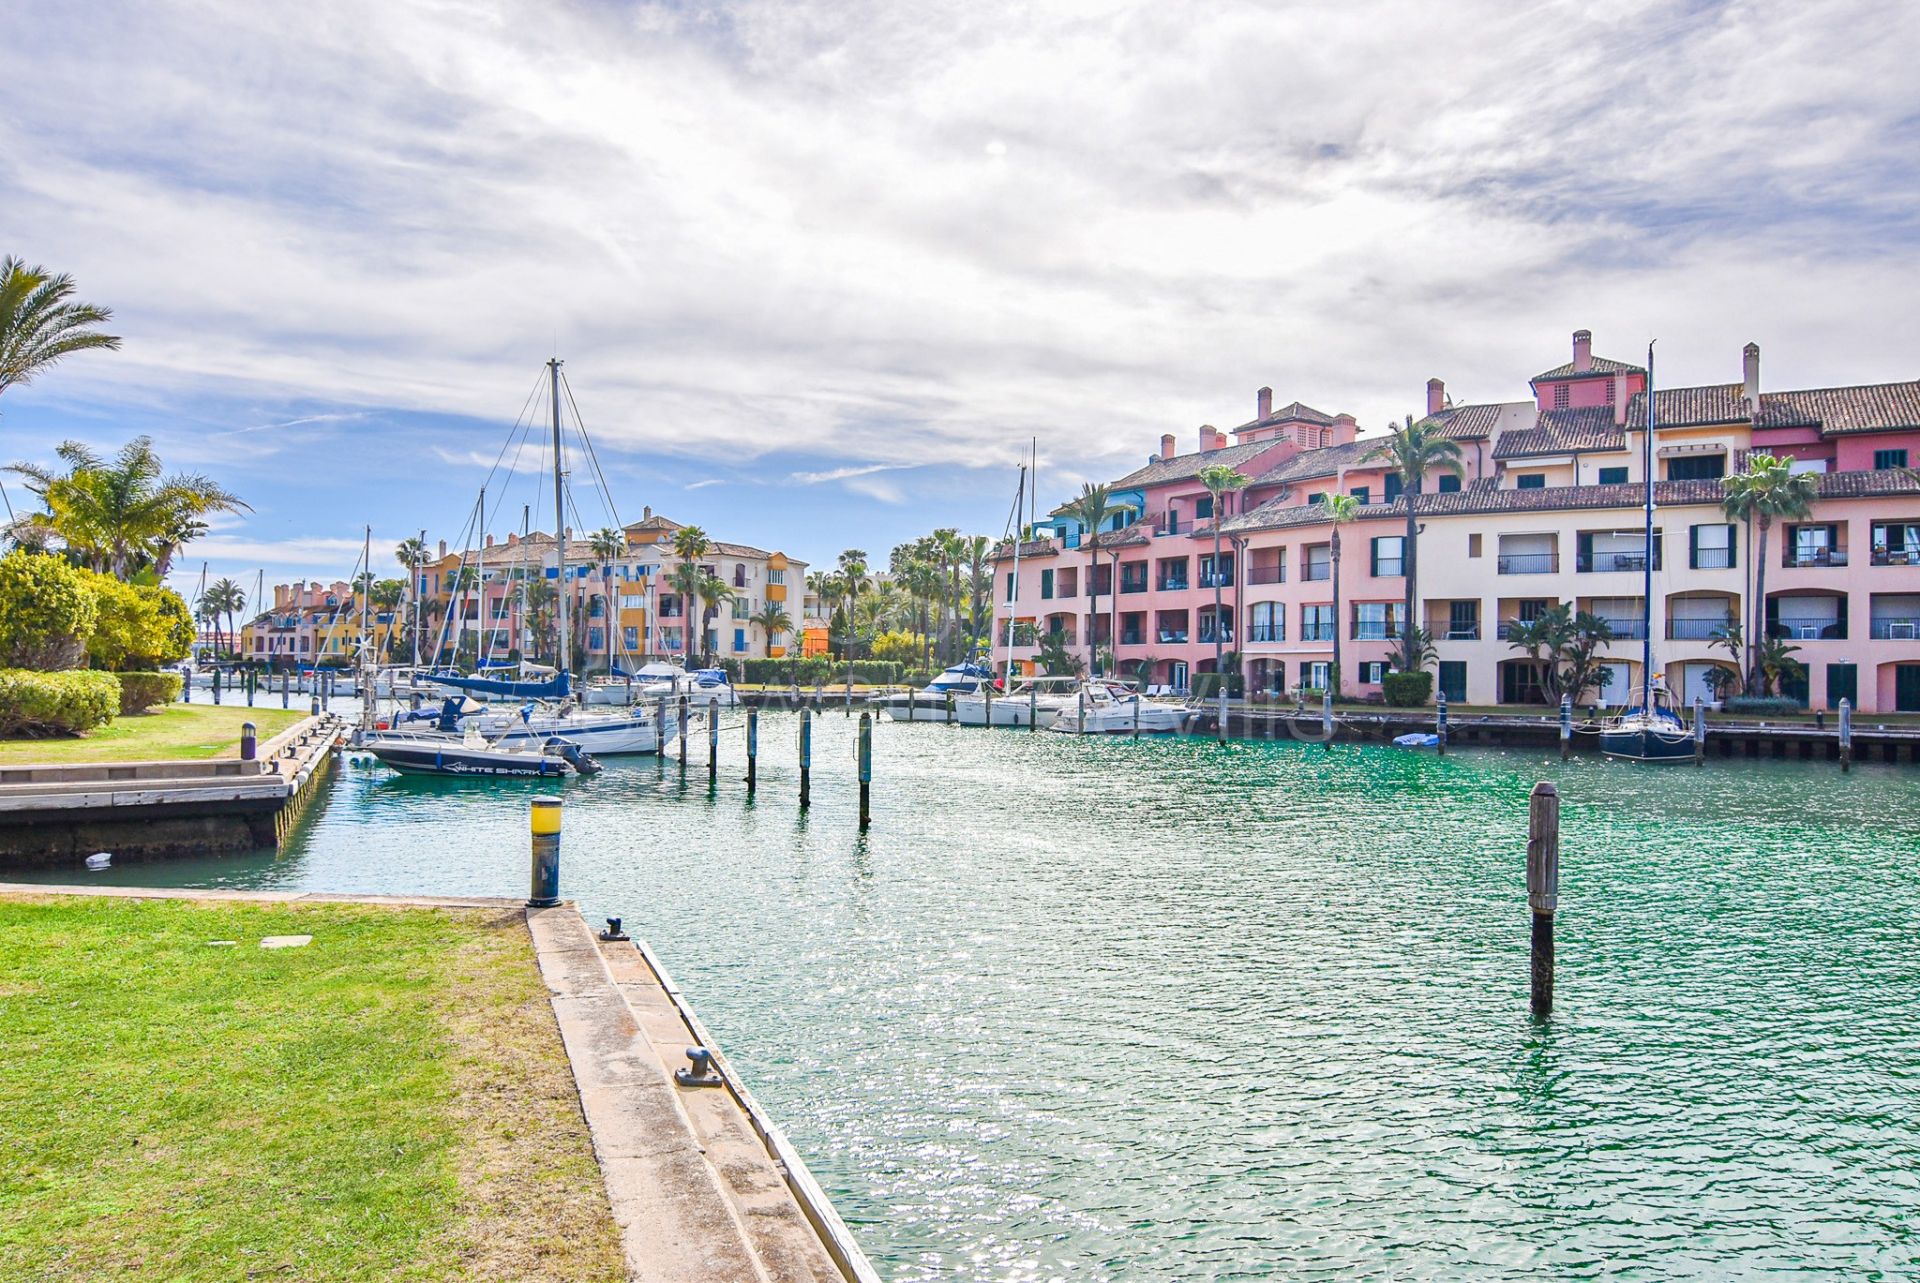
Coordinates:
[1104,1010]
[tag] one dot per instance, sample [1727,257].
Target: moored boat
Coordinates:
[417,753]
[965,679]
[1108,708]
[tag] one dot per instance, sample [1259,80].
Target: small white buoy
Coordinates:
[99,860]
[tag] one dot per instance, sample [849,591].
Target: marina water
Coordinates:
[1106,1010]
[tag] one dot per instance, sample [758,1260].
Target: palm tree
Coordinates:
[712,592]
[771,619]
[1220,480]
[226,598]
[542,599]
[413,555]
[39,322]
[609,544]
[1413,450]
[853,581]
[979,589]
[690,543]
[1339,509]
[207,615]
[1090,511]
[117,517]
[1768,489]
[386,595]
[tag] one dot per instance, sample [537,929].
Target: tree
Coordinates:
[1221,480]
[1338,509]
[609,544]
[137,628]
[1540,639]
[40,322]
[979,590]
[1413,450]
[226,598]
[121,516]
[690,543]
[412,554]
[712,592]
[1578,657]
[542,616]
[1776,665]
[1730,637]
[46,612]
[853,581]
[1091,510]
[771,619]
[1769,489]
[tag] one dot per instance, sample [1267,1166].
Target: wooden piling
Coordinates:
[1033,708]
[753,749]
[216,686]
[1136,714]
[1566,726]
[1440,721]
[1326,719]
[949,708]
[286,684]
[1082,726]
[1846,734]
[660,724]
[1223,709]
[866,767]
[1543,889]
[713,745]
[806,757]
[1699,731]
[683,733]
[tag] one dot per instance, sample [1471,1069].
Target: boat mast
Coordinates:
[368,695]
[559,522]
[1646,590]
[414,567]
[479,583]
[1013,596]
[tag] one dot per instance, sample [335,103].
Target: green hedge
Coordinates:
[817,671]
[1777,704]
[142,691]
[68,703]
[1206,686]
[1407,690]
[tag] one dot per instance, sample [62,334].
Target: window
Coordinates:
[1562,396]
[1371,672]
[1449,483]
[739,639]
[775,575]
[1389,556]
[1316,498]
[1315,674]
[1316,623]
[630,638]
[1173,574]
[1710,547]
[1393,487]
[1362,493]
[1376,620]
[1473,545]
[1009,585]
[1896,543]
[1888,460]
[1531,481]
[1046,583]
[1319,561]
[1463,621]
[1203,506]
[1453,680]
[1698,467]
[1613,476]
[1212,575]
[1133,576]
[1267,622]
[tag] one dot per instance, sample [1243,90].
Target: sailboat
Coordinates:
[1649,731]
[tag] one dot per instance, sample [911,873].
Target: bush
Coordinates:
[142,691]
[1407,690]
[69,703]
[817,671]
[46,612]
[138,628]
[1774,704]
[1206,686]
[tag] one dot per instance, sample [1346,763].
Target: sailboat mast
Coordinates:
[480,652]
[1013,596]
[1646,590]
[559,521]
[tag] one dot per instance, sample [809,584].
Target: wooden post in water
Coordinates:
[1136,714]
[660,724]
[1440,721]
[1082,727]
[806,757]
[753,749]
[713,744]
[1033,709]
[912,703]
[949,708]
[251,680]
[1543,888]
[1326,718]
[1223,709]
[1846,734]
[1566,726]
[1699,731]
[683,732]
[866,766]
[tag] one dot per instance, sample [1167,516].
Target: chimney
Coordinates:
[1620,398]
[646,512]
[1345,429]
[512,538]
[489,541]
[1206,437]
[1166,445]
[1263,403]
[1750,377]
[1582,351]
[1436,396]
[443,549]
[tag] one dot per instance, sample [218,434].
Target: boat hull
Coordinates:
[1014,712]
[452,759]
[1643,745]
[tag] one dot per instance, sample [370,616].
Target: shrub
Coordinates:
[46,612]
[68,703]
[142,691]
[1407,690]
[1206,686]
[1775,704]
[817,671]
[138,627]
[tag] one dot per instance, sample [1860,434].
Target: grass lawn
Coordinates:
[389,1102]
[177,732]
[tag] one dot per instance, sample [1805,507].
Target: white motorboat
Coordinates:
[1109,708]
[622,689]
[608,733]
[930,701]
[472,753]
[1038,702]
[704,688]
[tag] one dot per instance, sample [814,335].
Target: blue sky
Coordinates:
[820,271]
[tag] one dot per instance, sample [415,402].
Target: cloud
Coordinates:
[843,474]
[702,485]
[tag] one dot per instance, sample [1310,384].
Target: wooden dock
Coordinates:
[56,814]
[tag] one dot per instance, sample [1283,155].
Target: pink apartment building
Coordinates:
[1548,509]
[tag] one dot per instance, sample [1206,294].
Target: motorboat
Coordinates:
[705,688]
[622,688]
[472,753]
[608,733]
[1035,701]
[930,701]
[1110,708]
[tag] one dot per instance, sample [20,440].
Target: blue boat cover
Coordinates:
[554,689]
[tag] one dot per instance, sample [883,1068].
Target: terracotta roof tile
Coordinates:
[1691,407]
[1874,407]
[1601,365]
[1293,412]
[1323,462]
[1473,422]
[1563,431]
[1184,467]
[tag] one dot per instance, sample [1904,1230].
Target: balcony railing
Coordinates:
[1896,629]
[1317,570]
[1131,637]
[1266,632]
[1529,563]
[1712,558]
[1461,632]
[1316,632]
[1173,584]
[1168,523]
[1601,563]
[1812,628]
[1896,557]
[1207,636]
[1694,629]
[1216,579]
[1389,568]
[1805,558]
[1375,630]
[1172,636]
[1133,585]
[1267,575]
[1627,629]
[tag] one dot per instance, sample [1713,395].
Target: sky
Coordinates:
[820,272]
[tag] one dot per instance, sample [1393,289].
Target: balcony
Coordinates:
[1208,637]
[1461,632]
[1266,632]
[1316,632]
[1601,563]
[1267,575]
[1892,628]
[1317,570]
[1626,629]
[1168,523]
[1067,640]
[1694,629]
[1896,557]
[1173,584]
[1132,637]
[1813,628]
[1216,579]
[1712,558]
[1132,585]
[1809,558]
[1529,563]
[1375,630]
[1172,636]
